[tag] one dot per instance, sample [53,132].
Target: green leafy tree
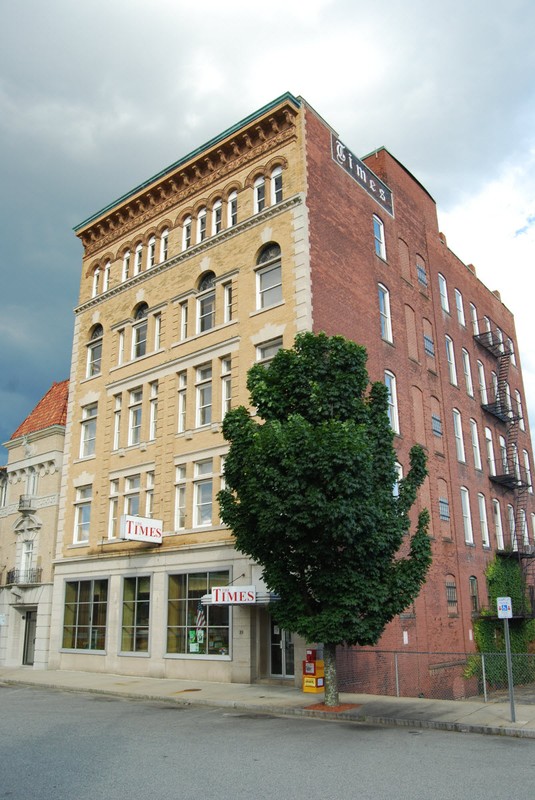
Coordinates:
[309,496]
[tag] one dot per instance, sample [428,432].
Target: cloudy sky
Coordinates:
[95,97]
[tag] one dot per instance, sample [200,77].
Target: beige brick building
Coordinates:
[271,228]
[29,497]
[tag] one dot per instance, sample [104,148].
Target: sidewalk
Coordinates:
[453,715]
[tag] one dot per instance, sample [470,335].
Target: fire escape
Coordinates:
[509,474]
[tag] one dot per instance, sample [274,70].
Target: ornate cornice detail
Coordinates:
[176,189]
[213,241]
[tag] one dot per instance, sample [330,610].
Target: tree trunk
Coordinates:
[331,679]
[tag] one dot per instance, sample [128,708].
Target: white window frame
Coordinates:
[138,259]
[450,357]
[259,193]
[269,295]
[113,509]
[82,516]
[226,385]
[94,288]
[106,276]
[476,451]
[126,265]
[467,369]
[232,209]
[135,415]
[475,321]
[217,217]
[520,410]
[276,186]
[483,521]
[393,412]
[385,314]
[164,245]
[458,433]
[379,237]
[186,233]
[153,410]
[182,379]
[118,402]
[459,305]
[266,352]
[467,518]
[443,291]
[482,383]
[489,445]
[527,468]
[227,302]
[151,253]
[88,435]
[132,494]
[203,493]
[498,524]
[94,354]
[201,224]
[204,395]
[180,497]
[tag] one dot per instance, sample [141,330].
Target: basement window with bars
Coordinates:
[436,425]
[444,508]
[451,594]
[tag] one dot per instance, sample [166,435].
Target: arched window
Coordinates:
[201,225]
[232,209]
[451,594]
[217,217]
[186,233]
[276,185]
[96,278]
[269,277]
[126,265]
[106,276]
[94,352]
[393,416]
[151,258]
[379,237]
[206,303]
[474,595]
[164,245]
[138,259]
[384,313]
[259,194]
[139,337]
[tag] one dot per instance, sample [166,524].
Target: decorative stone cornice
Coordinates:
[214,164]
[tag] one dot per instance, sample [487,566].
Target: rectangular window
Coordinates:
[203,493]
[393,416]
[157,331]
[118,401]
[269,286]
[384,313]
[467,518]
[113,517]
[135,416]
[421,274]
[482,384]
[182,398]
[151,259]
[201,225]
[186,233]
[132,488]
[458,433]
[138,259]
[226,385]
[443,289]
[475,444]
[436,425]
[228,302]
[84,620]
[473,317]
[89,431]
[164,246]
[184,320]
[276,185]
[126,266]
[474,597]
[498,524]
[429,346]
[460,308]
[491,462]
[451,595]
[153,416]
[206,312]
[180,497]
[120,347]
[94,356]
[467,373]
[485,537]
[450,357]
[217,217]
[444,508]
[82,515]
[259,195]
[149,494]
[232,209]
[136,615]
[139,340]
[266,352]
[204,395]
[379,237]
[192,628]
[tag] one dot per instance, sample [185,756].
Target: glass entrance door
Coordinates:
[282,652]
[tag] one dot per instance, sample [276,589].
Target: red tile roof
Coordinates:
[50,410]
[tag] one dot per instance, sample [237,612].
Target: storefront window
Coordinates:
[192,628]
[84,624]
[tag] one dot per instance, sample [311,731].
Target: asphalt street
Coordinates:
[57,745]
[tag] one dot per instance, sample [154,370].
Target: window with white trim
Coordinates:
[503,455]
[113,510]
[527,468]
[217,217]
[259,190]
[153,410]
[393,415]
[511,348]
[204,395]
[483,522]
[482,383]
[379,237]
[498,524]
[186,233]
[206,303]
[226,385]
[82,514]
[151,255]
[443,290]
[95,286]
[520,410]
[467,369]
[227,298]
[135,409]
[180,497]
[203,488]
[139,331]
[266,352]
[399,476]
[450,357]
[164,245]
[460,308]
[138,259]
[201,225]
[467,518]
[458,433]
[94,352]
[512,527]
[473,317]
[491,461]
[384,313]
[126,265]
[276,185]
[89,430]
[269,277]
[476,452]
[118,401]
[106,276]
[149,494]
[132,492]
[232,209]
[184,320]
[182,399]
[120,346]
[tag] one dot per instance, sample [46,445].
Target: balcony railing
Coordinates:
[24,576]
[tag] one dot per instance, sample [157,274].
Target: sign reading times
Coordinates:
[142,529]
[233,595]
[362,174]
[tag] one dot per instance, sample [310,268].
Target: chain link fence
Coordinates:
[442,676]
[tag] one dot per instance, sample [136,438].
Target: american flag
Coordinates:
[200,620]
